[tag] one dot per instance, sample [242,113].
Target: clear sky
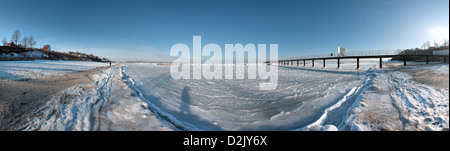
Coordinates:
[145,30]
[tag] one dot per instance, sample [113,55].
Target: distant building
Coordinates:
[342,52]
[440,52]
[105,59]
[46,47]
[11,44]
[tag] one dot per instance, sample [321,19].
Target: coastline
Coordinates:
[380,107]
[105,104]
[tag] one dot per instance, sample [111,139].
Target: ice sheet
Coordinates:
[15,70]
[300,99]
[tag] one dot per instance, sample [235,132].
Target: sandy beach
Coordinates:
[423,76]
[19,100]
[382,107]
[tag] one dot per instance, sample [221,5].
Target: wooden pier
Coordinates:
[405,57]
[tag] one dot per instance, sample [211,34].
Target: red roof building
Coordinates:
[47,47]
[11,44]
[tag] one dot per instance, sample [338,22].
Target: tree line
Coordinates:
[27,41]
[426,49]
[427,45]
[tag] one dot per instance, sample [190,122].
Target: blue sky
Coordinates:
[145,30]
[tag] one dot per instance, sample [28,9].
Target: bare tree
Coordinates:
[445,44]
[4,41]
[426,45]
[435,44]
[16,36]
[31,41]
[25,41]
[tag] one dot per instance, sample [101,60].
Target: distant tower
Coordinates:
[342,52]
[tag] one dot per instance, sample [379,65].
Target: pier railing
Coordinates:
[380,54]
[391,52]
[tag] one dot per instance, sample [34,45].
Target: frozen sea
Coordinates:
[301,98]
[17,70]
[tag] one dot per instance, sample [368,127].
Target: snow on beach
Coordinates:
[106,104]
[143,96]
[27,54]
[394,102]
[440,68]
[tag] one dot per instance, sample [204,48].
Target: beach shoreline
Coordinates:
[21,100]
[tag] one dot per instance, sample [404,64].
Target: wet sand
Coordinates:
[19,100]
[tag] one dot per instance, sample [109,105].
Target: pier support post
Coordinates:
[357,63]
[304,63]
[312,63]
[297,63]
[428,60]
[339,63]
[445,59]
[292,63]
[381,62]
[324,63]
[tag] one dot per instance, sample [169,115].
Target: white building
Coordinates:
[342,52]
[441,52]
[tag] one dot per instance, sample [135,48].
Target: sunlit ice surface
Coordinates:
[302,95]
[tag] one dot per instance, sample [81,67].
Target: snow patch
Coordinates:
[439,68]
[422,107]
[15,70]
